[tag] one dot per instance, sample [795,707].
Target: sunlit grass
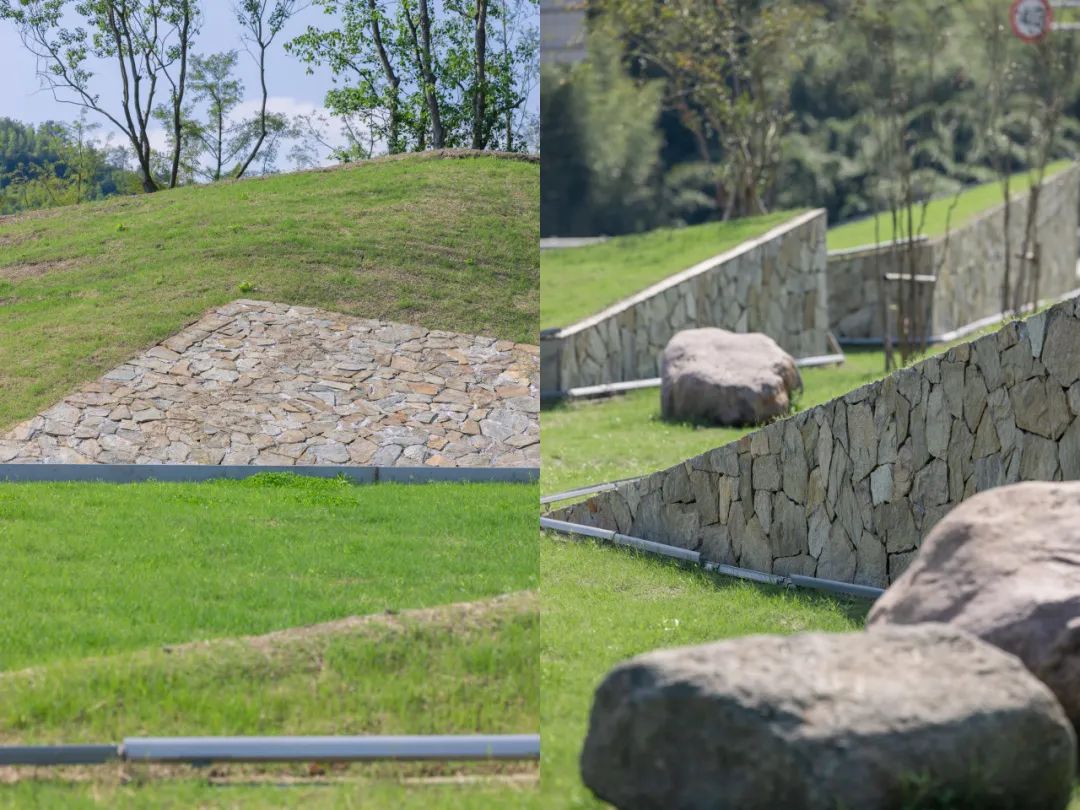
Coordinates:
[442,243]
[578,282]
[964,208]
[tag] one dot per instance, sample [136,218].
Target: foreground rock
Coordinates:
[711,376]
[818,722]
[1005,566]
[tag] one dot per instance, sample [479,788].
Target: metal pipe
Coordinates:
[662,549]
[441,748]
[326,749]
[58,754]
[607,486]
[832,586]
[761,577]
[745,573]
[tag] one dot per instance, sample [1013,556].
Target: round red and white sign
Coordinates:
[1031,19]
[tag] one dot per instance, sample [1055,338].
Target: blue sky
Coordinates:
[292,90]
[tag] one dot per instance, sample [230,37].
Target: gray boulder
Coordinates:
[1004,565]
[821,722]
[716,377]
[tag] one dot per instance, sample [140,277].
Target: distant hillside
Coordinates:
[423,239]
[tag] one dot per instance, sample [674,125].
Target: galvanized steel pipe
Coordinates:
[198,750]
[665,550]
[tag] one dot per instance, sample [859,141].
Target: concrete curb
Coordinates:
[185,473]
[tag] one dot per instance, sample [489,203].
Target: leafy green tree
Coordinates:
[146,41]
[728,69]
[214,84]
[57,164]
[261,21]
[420,75]
[601,145]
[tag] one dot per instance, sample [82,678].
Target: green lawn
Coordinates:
[592,441]
[444,243]
[578,282]
[451,670]
[603,605]
[96,569]
[273,605]
[970,204]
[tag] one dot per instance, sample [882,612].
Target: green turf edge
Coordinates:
[576,283]
[971,204]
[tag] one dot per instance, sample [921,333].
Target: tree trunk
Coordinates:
[394,130]
[428,69]
[262,110]
[479,137]
[178,95]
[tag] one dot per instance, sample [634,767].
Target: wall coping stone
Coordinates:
[684,275]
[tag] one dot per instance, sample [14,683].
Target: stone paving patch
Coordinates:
[263,383]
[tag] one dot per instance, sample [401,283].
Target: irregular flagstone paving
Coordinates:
[262,383]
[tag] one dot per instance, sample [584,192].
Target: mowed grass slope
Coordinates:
[968,205]
[99,569]
[459,669]
[578,282]
[442,243]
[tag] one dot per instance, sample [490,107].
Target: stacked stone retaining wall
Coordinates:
[847,490]
[774,284]
[968,267]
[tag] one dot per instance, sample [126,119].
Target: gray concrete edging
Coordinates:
[188,473]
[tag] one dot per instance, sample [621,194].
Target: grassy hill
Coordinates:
[578,282]
[443,243]
[969,205]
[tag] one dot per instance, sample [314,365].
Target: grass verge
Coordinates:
[446,244]
[578,282]
[455,669]
[603,605]
[137,791]
[969,205]
[97,569]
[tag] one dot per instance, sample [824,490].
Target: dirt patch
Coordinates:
[25,270]
[12,239]
[512,774]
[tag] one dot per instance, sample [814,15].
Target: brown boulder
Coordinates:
[712,376]
[1004,565]
[822,721]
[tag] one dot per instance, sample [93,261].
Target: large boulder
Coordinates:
[1004,565]
[820,722]
[716,377]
